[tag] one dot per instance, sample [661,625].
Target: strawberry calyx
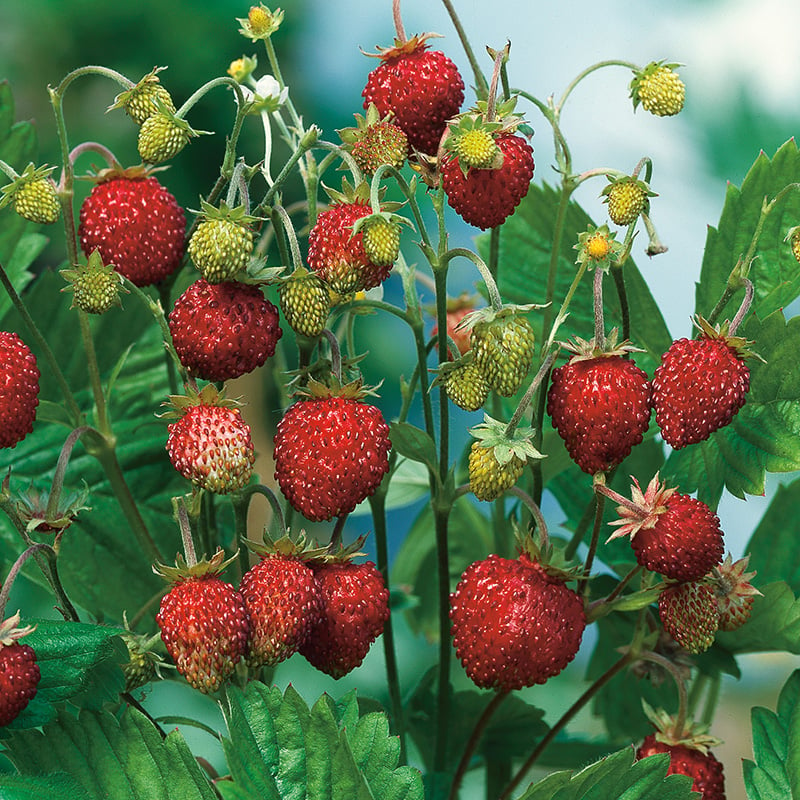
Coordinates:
[115,172]
[148,87]
[493,433]
[10,632]
[551,559]
[237,214]
[302,548]
[32,508]
[644,508]
[583,350]
[404,47]
[178,404]
[332,387]
[205,567]
[671,731]
[738,344]
[490,314]
[260,22]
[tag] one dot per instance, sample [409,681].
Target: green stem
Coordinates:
[712,698]
[224,80]
[580,528]
[481,85]
[307,141]
[5,592]
[288,228]
[622,294]
[536,513]
[474,739]
[378,507]
[93,368]
[443,722]
[541,374]
[76,416]
[564,720]
[278,75]
[588,71]
[583,585]
[61,467]
[491,286]
[599,320]
[338,529]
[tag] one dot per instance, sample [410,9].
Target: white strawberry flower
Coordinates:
[267,97]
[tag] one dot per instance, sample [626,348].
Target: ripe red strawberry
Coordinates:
[223,330]
[19,672]
[700,385]
[700,765]
[210,443]
[600,405]
[355,607]
[282,600]
[331,451]
[514,625]
[19,389]
[486,197]
[690,615]
[336,254]
[421,87]
[673,534]
[135,224]
[203,622]
[734,592]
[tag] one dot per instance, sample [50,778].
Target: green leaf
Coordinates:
[774,271]
[616,777]
[773,550]
[775,773]
[413,443]
[72,659]
[35,787]
[774,624]
[469,539]
[524,261]
[124,758]
[279,748]
[764,436]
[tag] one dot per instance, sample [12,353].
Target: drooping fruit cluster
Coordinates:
[673,534]
[659,89]
[331,451]
[282,599]
[210,443]
[700,385]
[19,672]
[422,88]
[203,622]
[600,405]
[223,330]
[502,345]
[19,389]
[135,224]
[336,253]
[486,197]
[514,625]
[354,608]
[222,243]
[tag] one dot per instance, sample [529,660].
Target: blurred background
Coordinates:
[742,71]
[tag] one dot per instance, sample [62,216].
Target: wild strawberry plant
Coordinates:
[124,443]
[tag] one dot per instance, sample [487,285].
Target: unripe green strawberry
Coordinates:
[793,237]
[627,198]
[306,302]
[96,287]
[502,343]
[497,459]
[210,443]
[222,243]
[143,665]
[33,195]
[144,99]
[375,142]
[162,136]
[381,240]
[466,386]
[690,615]
[659,89]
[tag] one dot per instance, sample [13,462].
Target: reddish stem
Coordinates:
[398,22]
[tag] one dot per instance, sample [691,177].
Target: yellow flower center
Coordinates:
[598,247]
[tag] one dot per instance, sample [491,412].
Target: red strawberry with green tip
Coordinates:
[282,599]
[203,622]
[514,624]
[19,389]
[331,450]
[354,609]
[135,224]
[700,385]
[223,330]
[19,672]
[422,88]
[673,534]
[600,404]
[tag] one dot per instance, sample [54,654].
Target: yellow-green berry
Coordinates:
[162,137]
[305,301]
[96,287]
[466,386]
[488,478]
[503,349]
[37,201]
[381,239]
[220,248]
[660,91]
[626,201]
